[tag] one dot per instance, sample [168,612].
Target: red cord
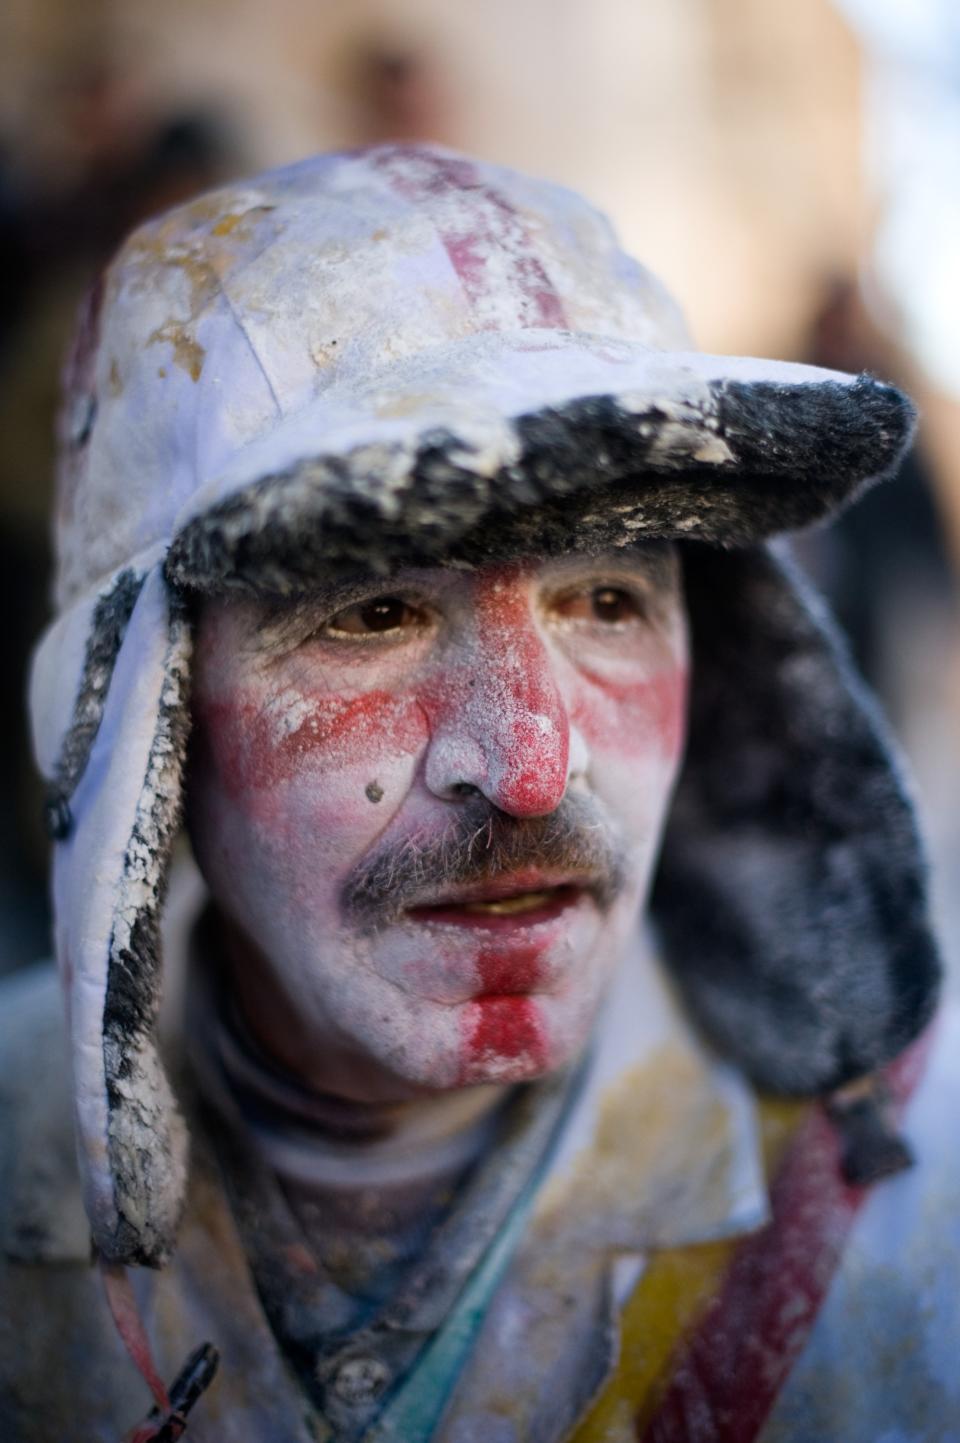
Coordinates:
[129,1324]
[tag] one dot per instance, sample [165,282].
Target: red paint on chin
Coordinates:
[510,970]
[498,1031]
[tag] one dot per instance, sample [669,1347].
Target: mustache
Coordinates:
[482,844]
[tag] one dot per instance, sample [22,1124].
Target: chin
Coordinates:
[507,1039]
[495,1038]
[402,1046]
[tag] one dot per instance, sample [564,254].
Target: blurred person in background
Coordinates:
[118,161]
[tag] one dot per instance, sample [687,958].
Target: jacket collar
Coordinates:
[662,1148]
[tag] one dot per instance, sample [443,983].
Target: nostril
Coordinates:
[464,789]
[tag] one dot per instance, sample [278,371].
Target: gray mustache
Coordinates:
[480,845]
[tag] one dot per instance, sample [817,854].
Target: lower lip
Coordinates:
[561,900]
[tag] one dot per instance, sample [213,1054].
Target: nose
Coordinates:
[500,724]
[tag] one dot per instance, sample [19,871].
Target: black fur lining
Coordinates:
[594,473]
[109,622]
[142,1114]
[791,889]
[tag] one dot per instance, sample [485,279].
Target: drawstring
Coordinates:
[193,1379]
[167,1420]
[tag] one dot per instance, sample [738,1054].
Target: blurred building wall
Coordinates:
[723,135]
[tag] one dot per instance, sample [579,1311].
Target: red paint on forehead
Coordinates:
[502,1029]
[490,248]
[254,753]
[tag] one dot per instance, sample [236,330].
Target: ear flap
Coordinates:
[110,872]
[791,890]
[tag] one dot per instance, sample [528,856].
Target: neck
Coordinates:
[316,1135]
[287,1102]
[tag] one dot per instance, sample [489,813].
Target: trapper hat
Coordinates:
[400,353]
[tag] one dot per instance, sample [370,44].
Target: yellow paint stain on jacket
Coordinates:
[672,1294]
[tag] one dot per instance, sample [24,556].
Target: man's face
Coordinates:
[428,808]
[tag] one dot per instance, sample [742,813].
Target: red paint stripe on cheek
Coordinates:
[254,747]
[502,1035]
[620,716]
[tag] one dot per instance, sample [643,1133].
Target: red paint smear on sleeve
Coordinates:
[726,1377]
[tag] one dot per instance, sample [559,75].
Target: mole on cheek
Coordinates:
[374,791]
[262,746]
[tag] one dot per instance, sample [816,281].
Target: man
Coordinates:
[412,475]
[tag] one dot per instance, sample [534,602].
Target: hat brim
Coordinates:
[408,463]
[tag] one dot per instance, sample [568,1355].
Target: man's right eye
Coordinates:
[373,618]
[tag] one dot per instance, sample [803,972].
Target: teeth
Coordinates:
[509,906]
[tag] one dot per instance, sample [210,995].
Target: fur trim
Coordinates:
[147,1139]
[775,457]
[108,624]
[791,890]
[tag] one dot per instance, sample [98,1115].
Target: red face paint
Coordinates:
[503,1038]
[507,700]
[622,714]
[504,970]
[255,752]
[307,760]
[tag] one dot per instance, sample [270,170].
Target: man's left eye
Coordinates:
[373,618]
[609,604]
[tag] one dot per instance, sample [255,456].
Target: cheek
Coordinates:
[639,718]
[256,742]
[295,786]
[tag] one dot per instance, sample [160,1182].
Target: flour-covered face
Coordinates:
[428,808]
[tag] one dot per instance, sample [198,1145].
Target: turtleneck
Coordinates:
[366,1183]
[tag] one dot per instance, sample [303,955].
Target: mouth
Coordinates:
[502,905]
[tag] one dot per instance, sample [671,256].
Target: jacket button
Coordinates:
[360,1380]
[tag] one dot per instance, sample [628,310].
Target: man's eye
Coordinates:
[370,618]
[608,604]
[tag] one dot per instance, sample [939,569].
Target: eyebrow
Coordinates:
[289,602]
[287,612]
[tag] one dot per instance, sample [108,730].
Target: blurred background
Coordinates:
[790,170]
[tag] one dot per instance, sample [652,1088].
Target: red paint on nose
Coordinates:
[514,708]
[502,1030]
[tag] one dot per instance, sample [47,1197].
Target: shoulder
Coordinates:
[42,1216]
[881,1358]
[51,1308]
